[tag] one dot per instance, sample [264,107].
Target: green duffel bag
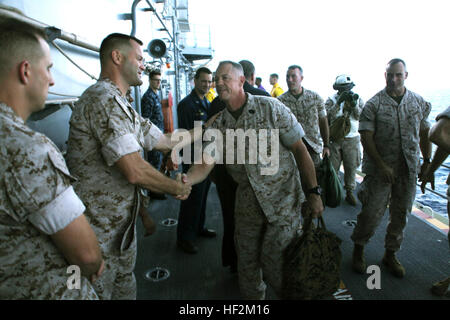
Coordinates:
[312,263]
[332,190]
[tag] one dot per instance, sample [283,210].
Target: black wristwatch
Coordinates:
[316,190]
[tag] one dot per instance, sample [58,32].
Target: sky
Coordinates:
[328,37]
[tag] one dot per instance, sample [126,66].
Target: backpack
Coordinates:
[340,127]
[312,262]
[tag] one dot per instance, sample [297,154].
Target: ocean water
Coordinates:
[440,100]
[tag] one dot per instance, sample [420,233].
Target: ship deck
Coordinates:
[424,254]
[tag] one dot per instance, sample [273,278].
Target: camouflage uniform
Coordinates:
[104,128]
[308,108]
[267,213]
[36,201]
[347,150]
[396,134]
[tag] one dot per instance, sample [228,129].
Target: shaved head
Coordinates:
[116,41]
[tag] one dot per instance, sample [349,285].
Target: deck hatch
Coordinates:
[169,222]
[157,274]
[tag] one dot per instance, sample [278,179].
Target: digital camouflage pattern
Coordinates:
[36,200]
[260,245]
[396,129]
[267,213]
[375,196]
[279,193]
[346,151]
[308,108]
[104,128]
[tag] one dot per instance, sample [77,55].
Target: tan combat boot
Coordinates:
[350,198]
[394,266]
[359,263]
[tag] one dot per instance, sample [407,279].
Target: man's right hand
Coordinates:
[184,185]
[387,173]
[426,177]
[97,275]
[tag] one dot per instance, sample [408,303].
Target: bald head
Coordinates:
[18,42]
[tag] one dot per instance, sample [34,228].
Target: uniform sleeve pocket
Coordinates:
[58,162]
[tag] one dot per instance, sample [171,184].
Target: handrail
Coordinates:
[60,34]
[61,101]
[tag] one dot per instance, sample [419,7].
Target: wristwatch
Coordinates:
[316,190]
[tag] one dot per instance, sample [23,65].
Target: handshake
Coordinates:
[184,187]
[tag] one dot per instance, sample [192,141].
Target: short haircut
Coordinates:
[248,68]
[258,79]
[274,75]
[202,70]
[294,66]
[236,66]
[19,41]
[395,61]
[154,73]
[115,41]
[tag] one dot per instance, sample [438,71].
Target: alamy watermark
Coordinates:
[253,146]
[374,280]
[74,281]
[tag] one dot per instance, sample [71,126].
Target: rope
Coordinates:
[63,95]
[68,58]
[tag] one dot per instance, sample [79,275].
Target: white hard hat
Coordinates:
[343,79]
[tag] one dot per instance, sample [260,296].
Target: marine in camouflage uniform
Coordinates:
[36,201]
[268,206]
[396,128]
[347,150]
[308,108]
[103,128]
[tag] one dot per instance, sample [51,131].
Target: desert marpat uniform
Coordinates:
[104,128]
[347,150]
[36,201]
[267,213]
[308,108]
[396,130]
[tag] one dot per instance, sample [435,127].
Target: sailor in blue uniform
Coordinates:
[191,219]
